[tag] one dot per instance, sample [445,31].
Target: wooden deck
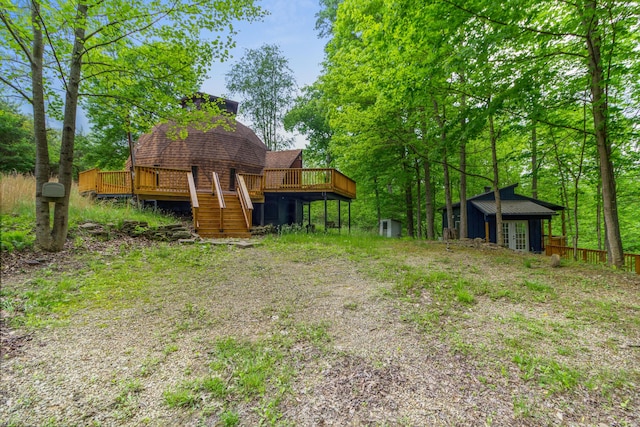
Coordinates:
[172,184]
[592,256]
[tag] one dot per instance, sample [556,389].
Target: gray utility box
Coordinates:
[53,190]
[390,228]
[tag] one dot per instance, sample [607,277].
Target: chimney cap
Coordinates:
[200,98]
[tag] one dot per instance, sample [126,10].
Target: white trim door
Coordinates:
[516,235]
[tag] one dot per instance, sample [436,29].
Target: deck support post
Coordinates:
[548,249]
[325,212]
[486,230]
[339,221]
[349,216]
[309,218]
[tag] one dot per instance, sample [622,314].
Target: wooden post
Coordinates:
[325,212]
[548,249]
[486,231]
[637,260]
[637,264]
[339,220]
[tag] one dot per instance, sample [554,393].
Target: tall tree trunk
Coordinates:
[65,171]
[464,232]
[43,227]
[449,234]
[576,181]
[377,193]
[428,198]
[408,196]
[428,186]
[534,160]
[419,200]
[449,231]
[564,191]
[599,214]
[496,181]
[600,110]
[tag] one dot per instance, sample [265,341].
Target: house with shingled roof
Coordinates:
[522,218]
[225,175]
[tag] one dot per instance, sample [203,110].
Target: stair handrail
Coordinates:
[245,200]
[195,205]
[217,190]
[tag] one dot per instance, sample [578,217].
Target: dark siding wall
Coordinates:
[475,220]
[535,235]
[281,210]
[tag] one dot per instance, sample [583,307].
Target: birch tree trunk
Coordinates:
[599,109]
[43,227]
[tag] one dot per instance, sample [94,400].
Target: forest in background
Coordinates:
[425,104]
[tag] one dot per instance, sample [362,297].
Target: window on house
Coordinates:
[232,179]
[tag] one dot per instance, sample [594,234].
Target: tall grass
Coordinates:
[19,195]
[17,211]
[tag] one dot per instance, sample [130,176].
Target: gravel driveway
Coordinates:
[368,364]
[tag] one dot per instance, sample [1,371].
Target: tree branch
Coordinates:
[17,89]
[506,24]
[10,27]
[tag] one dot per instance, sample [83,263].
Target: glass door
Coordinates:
[516,235]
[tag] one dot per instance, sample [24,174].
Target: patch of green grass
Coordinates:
[180,398]
[250,366]
[240,372]
[462,293]
[229,418]
[16,240]
[316,334]
[116,279]
[538,287]
[547,372]
[129,392]
[353,306]
[171,348]
[523,407]
[428,320]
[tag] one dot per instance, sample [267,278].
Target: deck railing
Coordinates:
[217,190]
[593,256]
[245,200]
[173,182]
[88,180]
[159,180]
[308,180]
[195,204]
[254,184]
[118,182]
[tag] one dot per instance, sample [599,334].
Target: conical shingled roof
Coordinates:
[215,150]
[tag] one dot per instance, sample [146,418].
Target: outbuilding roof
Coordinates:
[513,208]
[281,159]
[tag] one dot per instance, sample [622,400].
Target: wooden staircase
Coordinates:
[233,224]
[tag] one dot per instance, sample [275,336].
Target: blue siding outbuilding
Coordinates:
[522,218]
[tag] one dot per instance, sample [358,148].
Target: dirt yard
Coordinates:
[355,352]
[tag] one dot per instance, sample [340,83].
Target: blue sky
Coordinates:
[291,26]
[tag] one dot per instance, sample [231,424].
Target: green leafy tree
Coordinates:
[17,147]
[266,84]
[310,117]
[56,54]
